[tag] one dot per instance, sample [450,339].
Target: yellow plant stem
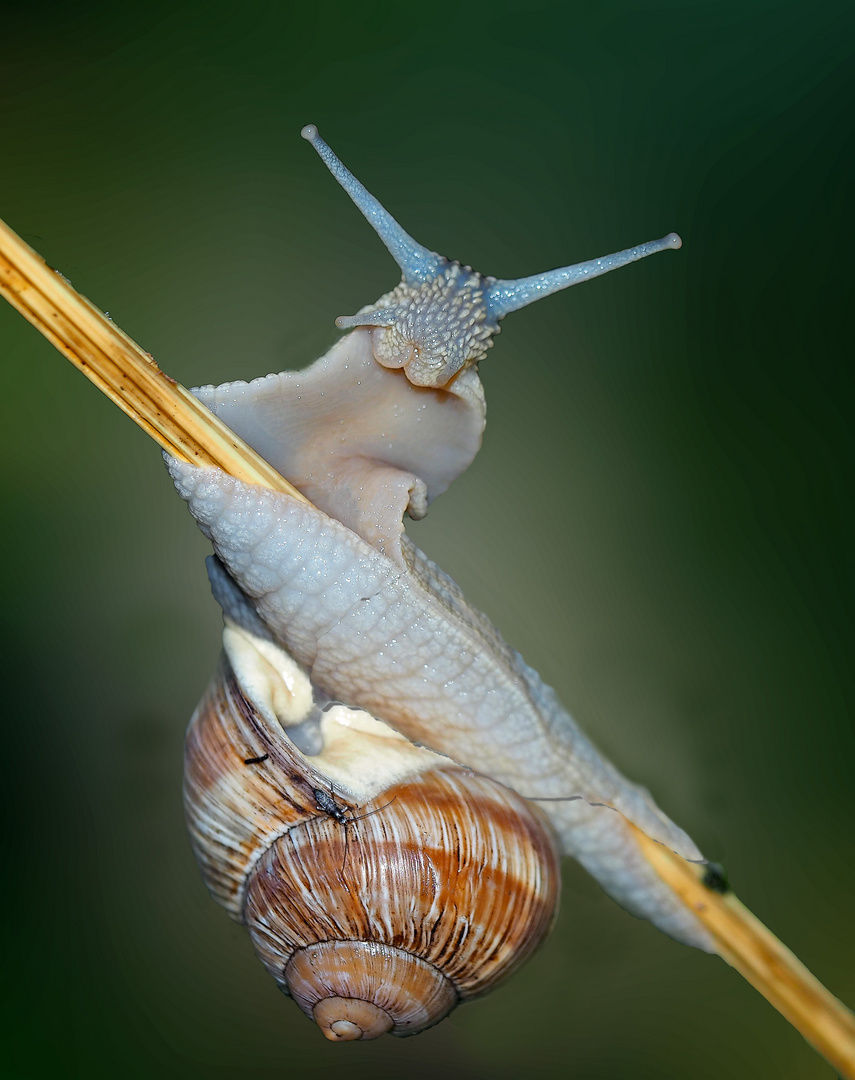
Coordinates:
[186,429]
[747,945]
[119,367]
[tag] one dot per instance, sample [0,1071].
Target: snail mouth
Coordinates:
[344,1019]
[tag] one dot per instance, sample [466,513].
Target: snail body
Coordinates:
[343,608]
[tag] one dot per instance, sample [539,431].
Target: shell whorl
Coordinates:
[457,871]
[234,810]
[434,889]
[361,990]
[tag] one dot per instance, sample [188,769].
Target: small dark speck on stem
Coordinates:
[715,878]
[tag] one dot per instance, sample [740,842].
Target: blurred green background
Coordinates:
[660,518]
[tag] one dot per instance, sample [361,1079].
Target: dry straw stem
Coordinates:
[747,945]
[119,367]
[177,421]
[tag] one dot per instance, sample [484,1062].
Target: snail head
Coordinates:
[443,316]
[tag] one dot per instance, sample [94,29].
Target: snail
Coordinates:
[360,774]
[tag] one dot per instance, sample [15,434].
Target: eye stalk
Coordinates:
[443,316]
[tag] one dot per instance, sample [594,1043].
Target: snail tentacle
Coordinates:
[443,316]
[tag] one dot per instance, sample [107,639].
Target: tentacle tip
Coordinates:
[309,133]
[673,240]
[345,322]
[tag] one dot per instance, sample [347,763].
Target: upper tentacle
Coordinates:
[417,263]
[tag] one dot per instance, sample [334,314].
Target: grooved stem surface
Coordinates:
[125,373]
[771,968]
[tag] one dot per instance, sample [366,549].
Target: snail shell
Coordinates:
[435,889]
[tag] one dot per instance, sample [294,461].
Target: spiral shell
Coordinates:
[375,917]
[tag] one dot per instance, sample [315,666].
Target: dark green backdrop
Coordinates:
[660,518]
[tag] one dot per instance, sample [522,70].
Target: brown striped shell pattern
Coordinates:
[381,883]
